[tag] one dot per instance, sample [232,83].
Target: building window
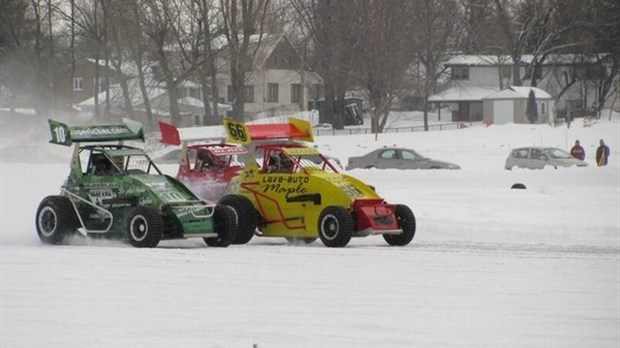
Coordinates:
[460,73]
[248,94]
[296,93]
[272,92]
[181,92]
[78,83]
[505,71]
[195,93]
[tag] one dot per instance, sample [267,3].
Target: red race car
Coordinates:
[206,163]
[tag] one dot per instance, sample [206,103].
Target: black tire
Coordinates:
[225,225]
[335,226]
[247,217]
[145,228]
[406,221]
[55,220]
[300,240]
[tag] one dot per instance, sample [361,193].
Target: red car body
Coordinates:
[205,168]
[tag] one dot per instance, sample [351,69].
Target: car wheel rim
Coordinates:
[47,221]
[138,228]
[329,227]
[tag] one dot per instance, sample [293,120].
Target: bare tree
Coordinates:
[208,22]
[120,29]
[87,17]
[242,19]
[479,26]
[598,29]
[17,54]
[334,28]
[385,53]
[43,56]
[137,46]
[435,39]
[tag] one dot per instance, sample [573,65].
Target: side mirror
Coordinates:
[544,157]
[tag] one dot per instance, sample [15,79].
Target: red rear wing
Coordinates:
[296,129]
[169,134]
[174,136]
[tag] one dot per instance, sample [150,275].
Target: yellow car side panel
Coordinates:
[289,201]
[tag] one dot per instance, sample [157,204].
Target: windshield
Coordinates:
[314,162]
[557,153]
[135,164]
[232,160]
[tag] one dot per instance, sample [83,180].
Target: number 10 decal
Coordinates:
[60,133]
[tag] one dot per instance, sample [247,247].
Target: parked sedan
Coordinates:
[397,158]
[539,157]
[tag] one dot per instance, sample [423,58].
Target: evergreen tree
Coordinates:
[531,111]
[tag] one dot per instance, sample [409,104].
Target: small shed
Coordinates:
[465,101]
[510,106]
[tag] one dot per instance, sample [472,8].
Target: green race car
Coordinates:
[114,190]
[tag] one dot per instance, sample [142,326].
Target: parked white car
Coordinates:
[540,157]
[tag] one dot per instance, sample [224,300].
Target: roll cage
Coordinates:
[114,160]
[292,158]
[214,155]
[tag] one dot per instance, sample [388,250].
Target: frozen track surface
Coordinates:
[270,294]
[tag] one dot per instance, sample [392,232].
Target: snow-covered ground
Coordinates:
[489,266]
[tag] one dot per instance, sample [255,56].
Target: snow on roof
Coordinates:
[195,102]
[189,84]
[494,60]
[191,101]
[480,60]
[463,93]
[116,94]
[519,92]
[268,44]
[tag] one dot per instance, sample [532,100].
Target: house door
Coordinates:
[503,111]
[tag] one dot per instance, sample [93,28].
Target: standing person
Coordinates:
[602,153]
[577,151]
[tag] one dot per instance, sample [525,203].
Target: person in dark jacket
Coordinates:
[577,151]
[602,154]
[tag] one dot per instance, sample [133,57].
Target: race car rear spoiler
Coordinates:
[63,134]
[295,129]
[172,135]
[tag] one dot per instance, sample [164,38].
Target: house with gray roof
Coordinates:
[571,80]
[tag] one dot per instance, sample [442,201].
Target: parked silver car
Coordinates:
[397,158]
[539,157]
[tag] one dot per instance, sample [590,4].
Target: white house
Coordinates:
[570,79]
[510,106]
[279,81]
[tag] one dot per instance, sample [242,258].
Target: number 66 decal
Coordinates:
[237,132]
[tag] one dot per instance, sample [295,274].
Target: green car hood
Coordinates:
[164,188]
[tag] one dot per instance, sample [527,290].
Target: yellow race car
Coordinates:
[288,189]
